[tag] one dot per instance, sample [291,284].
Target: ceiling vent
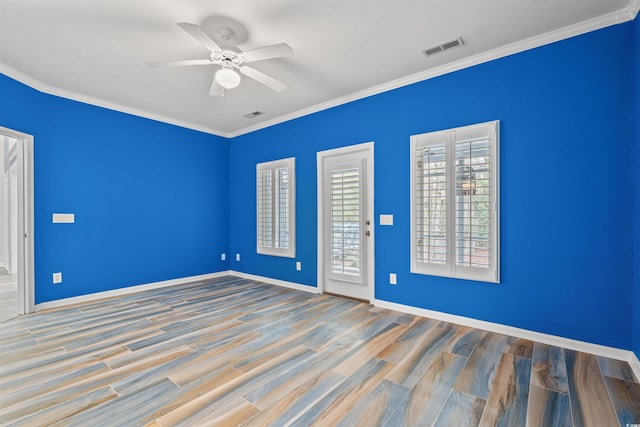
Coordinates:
[444,46]
[254,114]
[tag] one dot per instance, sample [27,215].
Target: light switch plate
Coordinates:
[64,218]
[298,265]
[386,219]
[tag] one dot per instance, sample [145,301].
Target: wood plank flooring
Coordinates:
[8,295]
[236,352]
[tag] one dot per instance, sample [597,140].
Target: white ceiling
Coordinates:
[97,50]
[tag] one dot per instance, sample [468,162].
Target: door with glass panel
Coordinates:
[346,212]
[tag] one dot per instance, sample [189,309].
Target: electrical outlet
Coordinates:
[298,265]
[57,278]
[392,279]
[237,257]
[223,256]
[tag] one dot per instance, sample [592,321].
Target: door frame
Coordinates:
[26,289]
[368,149]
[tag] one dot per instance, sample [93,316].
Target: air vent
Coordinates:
[254,114]
[444,46]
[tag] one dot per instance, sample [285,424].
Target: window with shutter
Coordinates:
[275,192]
[454,204]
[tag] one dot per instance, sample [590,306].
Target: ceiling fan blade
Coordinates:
[179,63]
[261,77]
[267,52]
[202,37]
[216,89]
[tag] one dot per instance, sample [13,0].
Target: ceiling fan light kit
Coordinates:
[230,59]
[227,78]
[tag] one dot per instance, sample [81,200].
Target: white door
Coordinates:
[12,212]
[17,208]
[345,225]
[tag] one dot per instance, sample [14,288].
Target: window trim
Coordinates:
[450,269]
[289,163]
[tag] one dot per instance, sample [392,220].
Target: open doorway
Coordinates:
[16,224]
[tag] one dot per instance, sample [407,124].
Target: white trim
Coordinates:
[24,152]
[617,17]
[28,227]
[285,284]
[271,166]
[630,14]
[634,362]
[165,283]
[448,140]
[51,90]
[568,343]
[126,291]
[368,149]
[571,344]
[596,349]
[613,18]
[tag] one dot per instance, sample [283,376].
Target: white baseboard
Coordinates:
[571,344]
[291,285]
[596,349]
[635,365]
[128,290]
[173,282]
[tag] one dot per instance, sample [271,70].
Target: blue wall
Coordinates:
[151,199]
[566,181]
[636,262]
[156,202]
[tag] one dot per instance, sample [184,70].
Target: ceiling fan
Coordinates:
[230,59]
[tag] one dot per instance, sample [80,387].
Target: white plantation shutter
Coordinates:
[345,221]
[265,208]
[281,212]
[454,206]
[431,203]
[472,169]
[275,193]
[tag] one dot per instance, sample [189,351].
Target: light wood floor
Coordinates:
[8,296]
[235,352]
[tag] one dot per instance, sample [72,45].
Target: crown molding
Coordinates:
[63,93]
[613,18]
[626,14]
[632,10]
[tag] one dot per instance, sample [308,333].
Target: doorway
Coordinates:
[345,222]
[16,224]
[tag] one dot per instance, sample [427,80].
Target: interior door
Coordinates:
[346,227]
[18,219]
